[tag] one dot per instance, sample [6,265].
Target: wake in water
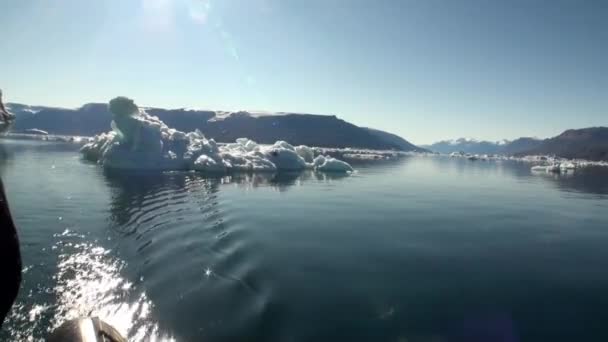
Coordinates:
[142,141]
[87,283]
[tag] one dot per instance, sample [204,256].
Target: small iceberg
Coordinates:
[141,141]
[568,166]
[553,168]
[539,168]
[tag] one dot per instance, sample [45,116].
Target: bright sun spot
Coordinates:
[199,10]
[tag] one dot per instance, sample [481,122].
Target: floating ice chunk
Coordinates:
[554,168]
[283,157]
[244,144]
[323,163]
[197,134]
[95,149]
[176,135]
[568,166]
[306,153]
[251,145]
[242,141]
[247,162]
[318,161]
[539,168]
[206,163]
[284,145]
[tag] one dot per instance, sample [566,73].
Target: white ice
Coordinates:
[539,168]
[141,141]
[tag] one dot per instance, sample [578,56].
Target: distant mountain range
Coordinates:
[586,143]
[298,129]
[303,129]
[474,146]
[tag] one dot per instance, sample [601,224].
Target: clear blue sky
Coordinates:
[424,69]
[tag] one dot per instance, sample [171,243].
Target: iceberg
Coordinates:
[553,168]
[329,164]
[141,141]
[539,168]
[568,165]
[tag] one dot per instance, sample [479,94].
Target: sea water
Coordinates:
[419,249]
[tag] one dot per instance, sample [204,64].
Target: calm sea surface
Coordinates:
[420,249]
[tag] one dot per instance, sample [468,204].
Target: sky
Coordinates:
[427,70]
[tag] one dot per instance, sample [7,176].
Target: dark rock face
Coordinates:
[297,129]
[520,145]
[403,144]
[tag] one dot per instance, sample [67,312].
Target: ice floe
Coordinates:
[542,163]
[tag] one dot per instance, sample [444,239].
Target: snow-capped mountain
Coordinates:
[474,146]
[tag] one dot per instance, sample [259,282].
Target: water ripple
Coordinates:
[88,282]
[187,238]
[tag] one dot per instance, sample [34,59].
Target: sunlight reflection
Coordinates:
[89,284]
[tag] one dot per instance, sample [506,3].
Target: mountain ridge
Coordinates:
[474,146]
[589,143]
[263,127]
[585,143]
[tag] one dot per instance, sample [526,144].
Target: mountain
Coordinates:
[465,145]
[86,120]
[587,143]
[483,147]
[520,145]
[298,129]
[403,144]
